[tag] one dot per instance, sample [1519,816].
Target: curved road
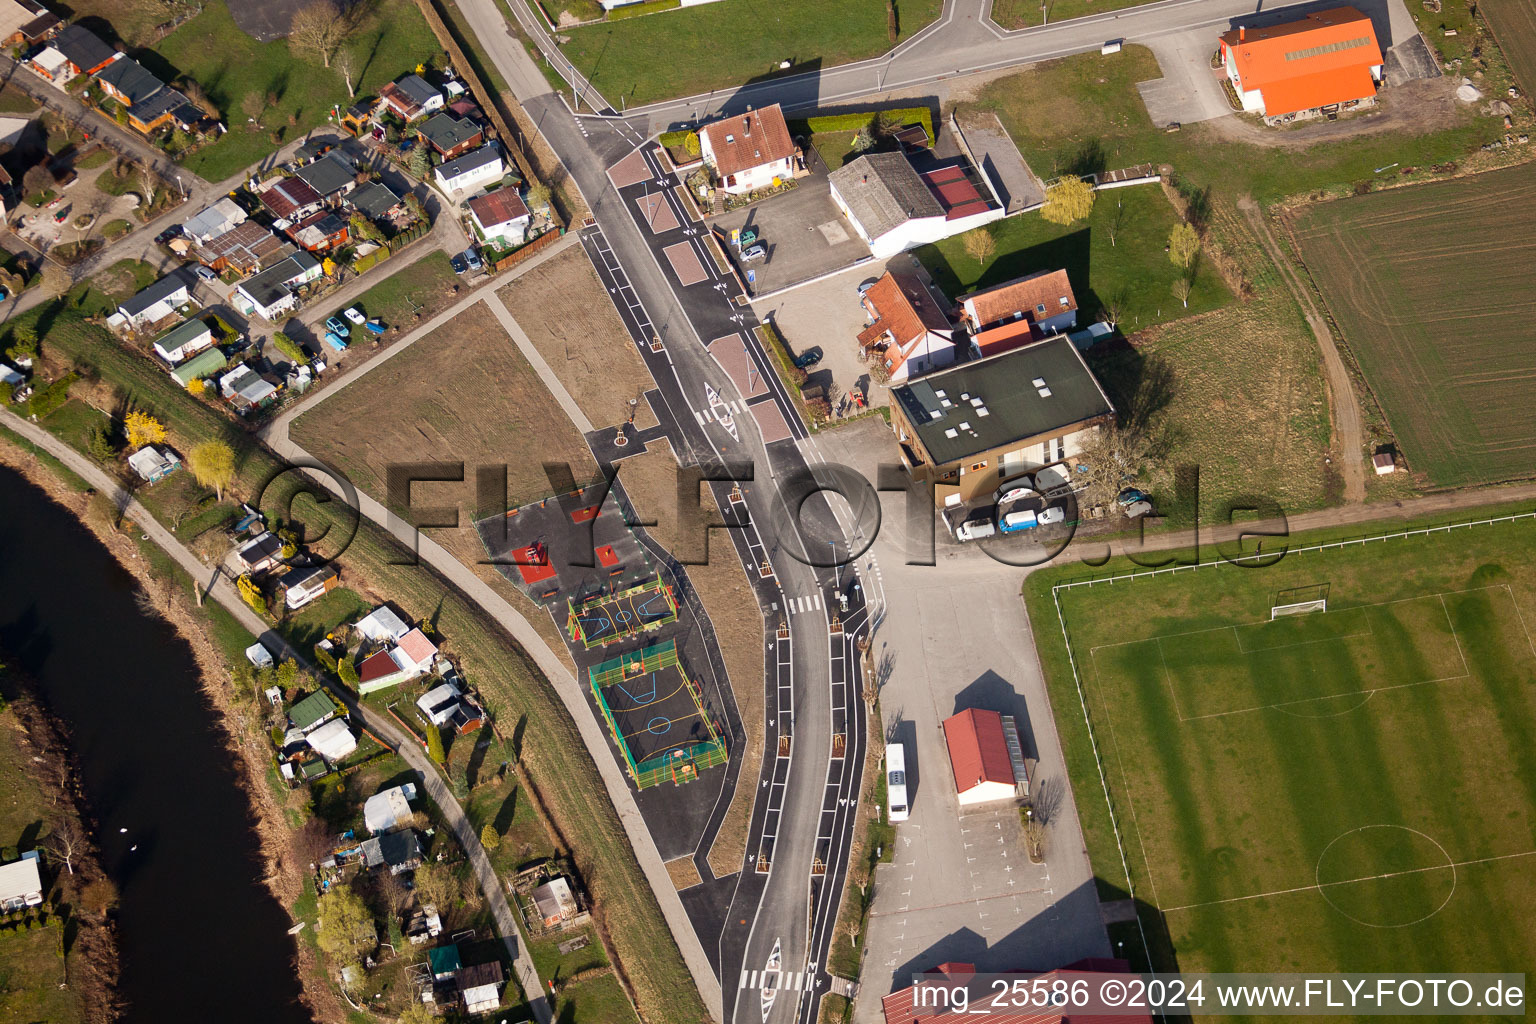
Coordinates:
[223,591]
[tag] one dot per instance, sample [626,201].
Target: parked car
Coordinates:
[459,265]
[58,218]
[810,357]
[205,273]
[353,315]
[56,202]
[1130,496]
[752,255]
[1014,522]
[336,327]
[1051,516]
[746,236]
[1137,509]
[174,231]
[472,259]
[972,524]
[1015,489]
[867,285]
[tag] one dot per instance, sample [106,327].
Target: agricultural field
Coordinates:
[1431,287]
[655,57]
[1346,789]
[463,393]
[1514,27]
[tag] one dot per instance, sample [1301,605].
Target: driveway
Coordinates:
[1189,90]
[805,234]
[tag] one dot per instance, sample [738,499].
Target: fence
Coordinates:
[544,241]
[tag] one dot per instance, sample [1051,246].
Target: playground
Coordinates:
[603,619]
[656,716]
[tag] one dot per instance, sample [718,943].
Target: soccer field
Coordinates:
[1343,789]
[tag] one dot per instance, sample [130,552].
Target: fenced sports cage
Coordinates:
[606,618]
[656,715]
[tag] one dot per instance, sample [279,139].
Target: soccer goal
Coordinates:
[1299,601]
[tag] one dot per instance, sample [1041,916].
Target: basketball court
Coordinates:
[685,263]
[656,716]
[656,212]
[732,355]
[607,618]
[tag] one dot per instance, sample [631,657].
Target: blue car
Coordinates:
[335,326]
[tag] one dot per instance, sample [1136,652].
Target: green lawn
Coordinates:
[1083,113]
[73,422]
[310,624]
[409,293]
[660,56]
[1134,270]
[1015,14]
[229,65]
[33,977]
[1276,800]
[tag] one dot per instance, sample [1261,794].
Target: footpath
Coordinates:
[222,590]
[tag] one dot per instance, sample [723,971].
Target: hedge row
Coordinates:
[48,398]
[853,122]
[635,10]
[674,140]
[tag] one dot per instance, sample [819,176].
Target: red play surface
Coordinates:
[532,564]
[607,557]
[582,515]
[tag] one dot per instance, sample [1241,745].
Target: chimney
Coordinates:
[1240,32]
[746,126]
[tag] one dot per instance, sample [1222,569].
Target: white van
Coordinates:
[896,781]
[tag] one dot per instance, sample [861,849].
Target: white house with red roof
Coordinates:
[410,657]
[986,757]
[893,207]
[910,332]
[748,151]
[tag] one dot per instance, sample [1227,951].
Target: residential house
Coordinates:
[10,378]
[50,64]
[26,23]
[555,902]
[389,808]
[411,657]
[445,706]
[184,340]
[399,851]
[480,987]
[149,101]
[244,249]
[356,117]
[290,199]
[314,711]
[965,429]
[21,884]
[153,464]
[333,740]
[305,585]
[1018,312]
[270,293]
[382,625]
[154,303]
[985,756]
[332,176]
[905,1007]
[471,171]
[320,232]
[423,925]
[411,97]
[444,962]
[749,151]
[262,553]
[223,216]
[84,51]
[910,334]
[501,217]
[1319,63]
[204,364]
[450,136]
[167,107]
[893,208]
[246,389]
[375,201]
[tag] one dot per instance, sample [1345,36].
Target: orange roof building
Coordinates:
[749,151]
[1328,59]
[910,331]
[1017,312]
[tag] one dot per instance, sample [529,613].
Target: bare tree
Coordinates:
[252,105]
[1111,311]
[319,30]
[312,842]
[66,841]
[1181,291]
[1034,837]
[150,182]
[979,244]
[346,64]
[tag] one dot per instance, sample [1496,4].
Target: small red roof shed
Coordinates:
[978,755]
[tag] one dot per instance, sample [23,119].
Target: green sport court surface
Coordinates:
[656,716]
[1351,789]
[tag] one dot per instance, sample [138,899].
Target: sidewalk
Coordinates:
[223,591]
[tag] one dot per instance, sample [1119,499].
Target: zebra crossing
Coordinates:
[793,981]
[804,604]
[736,407]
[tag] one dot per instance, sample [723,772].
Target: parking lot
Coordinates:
[804,234]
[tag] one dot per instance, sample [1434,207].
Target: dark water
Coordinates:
[201,939]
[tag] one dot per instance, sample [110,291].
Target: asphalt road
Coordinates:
[222,590]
